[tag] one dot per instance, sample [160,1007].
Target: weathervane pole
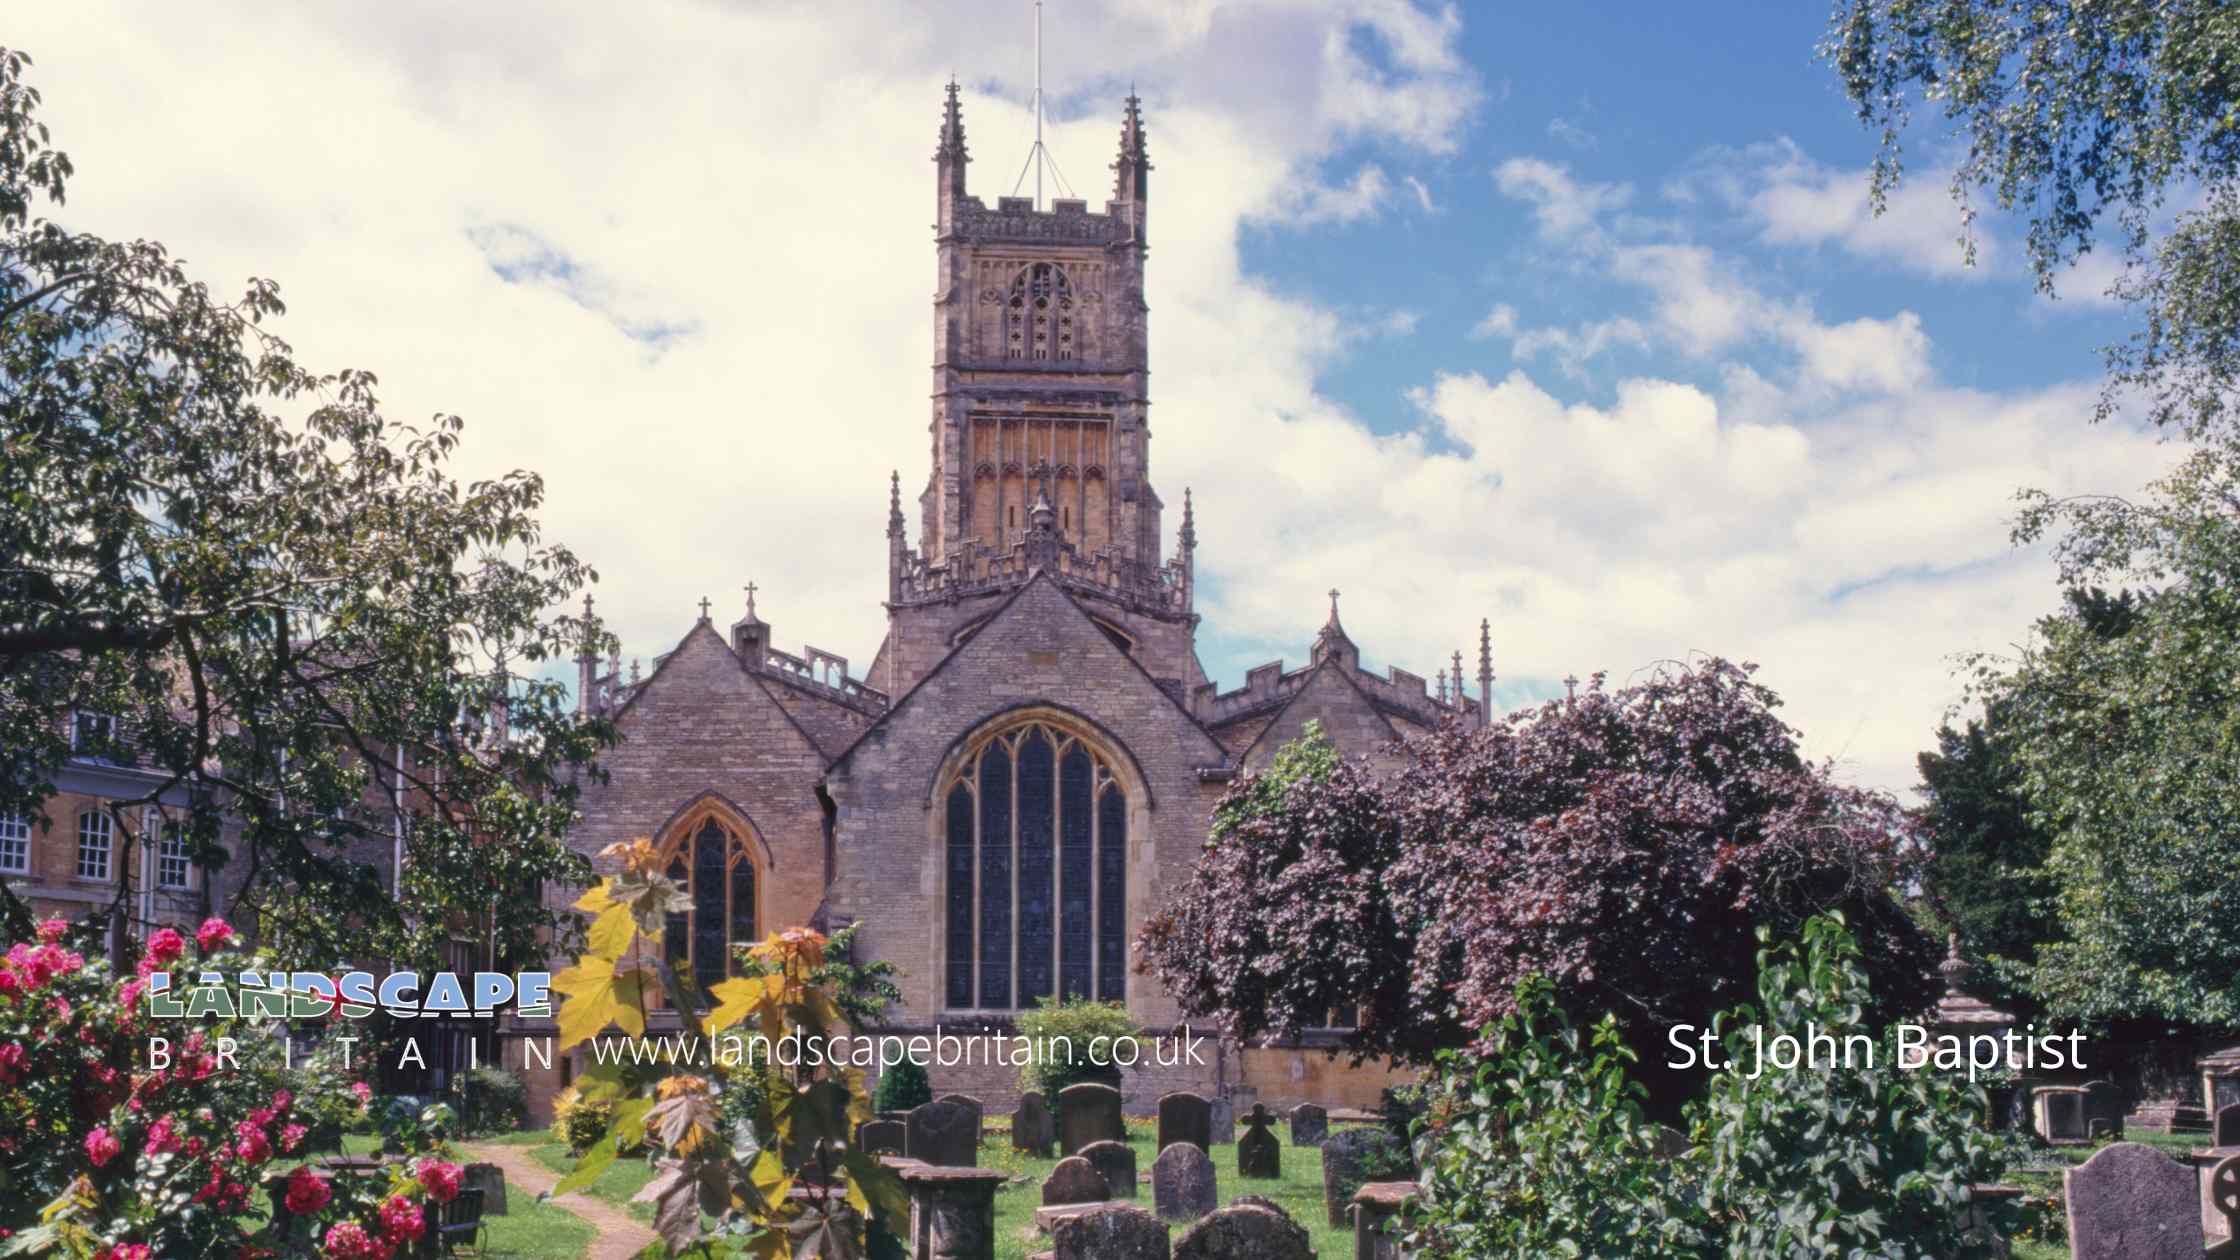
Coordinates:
[1038,104]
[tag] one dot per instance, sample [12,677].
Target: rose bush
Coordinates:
[115,1148]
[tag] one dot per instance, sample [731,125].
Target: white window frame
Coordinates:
[171,853]
[95,826]
[15,844]
[78,720]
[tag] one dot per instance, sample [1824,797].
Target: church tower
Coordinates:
[1040,400]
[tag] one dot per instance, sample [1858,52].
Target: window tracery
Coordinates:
[1038,315]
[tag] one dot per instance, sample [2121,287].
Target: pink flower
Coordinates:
[349,1241]
[124,1251]
[441,1177]
[292,1137]
[102,1146]
[281,1099]
[307,1192]
[213,933]
[252,1145]
[11,1062]
[403,1220]
[166,945]
[52,930]
[364,1093]
[163,1136]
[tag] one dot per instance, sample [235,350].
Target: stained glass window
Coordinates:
[1035,839]
[716,869]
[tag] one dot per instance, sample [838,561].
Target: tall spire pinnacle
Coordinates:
[950,157]
[1458,676]
[894,504]
[1485,670]
[1189,523]
[1132,170]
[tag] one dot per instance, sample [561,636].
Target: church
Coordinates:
[1005,793]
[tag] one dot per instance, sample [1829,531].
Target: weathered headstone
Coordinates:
[1309,1124]
[1033,1129]
[2132,1202]
[1224,1120]
[1244,1233]
[1352,1158]
[2221,1194]
[1186,1117]
[2226,1131]
[1260,1201]
[1116,1163]
[2060,1113]
[1088,1112]
[1374,1205]
[952,1210]
[943,1132]
[1182,1183]
[491,1181]
[979,1114]
[1074,1180]
[882,1137]
[1259,1154]
[2103,1101]
[1112,1233]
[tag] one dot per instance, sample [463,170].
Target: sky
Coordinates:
[1574,318]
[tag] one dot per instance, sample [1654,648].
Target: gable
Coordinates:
[700,685]
[1349,718]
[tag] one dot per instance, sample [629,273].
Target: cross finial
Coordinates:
[704,604]
[1570,688]
[587,605]
[1333,601]
[751,589]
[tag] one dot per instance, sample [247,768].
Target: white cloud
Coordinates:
[679,265]
[1501,321]
[1564,131]
[1422,194]
[1794,200]
[1361,197]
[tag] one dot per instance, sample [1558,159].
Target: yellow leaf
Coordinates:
[739,997]
[596,997]
[611,933]
[594,900]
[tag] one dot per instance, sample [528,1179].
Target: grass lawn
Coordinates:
[529,1230]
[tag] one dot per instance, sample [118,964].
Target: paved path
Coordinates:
[617,1236]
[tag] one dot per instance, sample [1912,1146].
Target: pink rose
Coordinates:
[11,1062]
[292,1137]
[440,1177]
[102,1146]
[307,1192]
[403,1220]
[166,945]
[213,933]
[52,930]
[163,1136]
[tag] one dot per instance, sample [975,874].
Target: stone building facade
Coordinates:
[1026,767]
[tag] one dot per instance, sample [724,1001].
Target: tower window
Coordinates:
[1038,318]
[1036,840]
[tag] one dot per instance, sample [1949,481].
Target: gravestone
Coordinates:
[1116,1163]
[1244,1233]
[882,1137]
[952,1210]
[979,1113]
[1352,1158]
[1374,1206]
[1088,1112]
[491,1181]
[2103,1102]
[944,1133]
[1259,1154]
[1260,1201]
[1185,1117]
[1074,1180]
[2226,1131]
[1113,1233]
[1182,1183]
[1033,1129]
[2220,1194]
[1309,1125]
[2132,1202]
[1224,1120]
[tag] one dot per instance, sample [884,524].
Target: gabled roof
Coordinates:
[663,662]
[1039,577]
[1335,667]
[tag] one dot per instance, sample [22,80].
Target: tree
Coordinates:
[1624,845]
[2085,117]
[275,598]
[2120,722]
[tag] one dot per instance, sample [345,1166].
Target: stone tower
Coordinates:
[1040,450]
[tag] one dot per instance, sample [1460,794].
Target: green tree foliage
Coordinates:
[1871,1159]
[2120,717]
[2087,117]
[1074,1035]
[1985,876]
[901,1087]
[1535,1145]
[295,616]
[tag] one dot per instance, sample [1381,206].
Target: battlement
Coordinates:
[1268,687]
[824,673]
[979,569]
[1068,220]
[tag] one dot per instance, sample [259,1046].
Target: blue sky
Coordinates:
[1566,317]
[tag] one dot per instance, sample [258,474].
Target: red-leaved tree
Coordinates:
[1624,845]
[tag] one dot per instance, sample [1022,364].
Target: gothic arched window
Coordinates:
[715,866]
[1036,830]
[1038,316]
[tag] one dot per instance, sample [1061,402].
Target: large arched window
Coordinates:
[1038,316]
[713,860]
[1035,826]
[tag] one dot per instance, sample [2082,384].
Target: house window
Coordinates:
[92,734]
[173,870]
[716,869]
[15,843]
[96,835]
[1036,834]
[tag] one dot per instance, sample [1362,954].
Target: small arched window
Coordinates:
[715,866]
[1036,836]
[1038,316]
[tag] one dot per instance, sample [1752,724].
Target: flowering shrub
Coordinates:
[113,1147]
